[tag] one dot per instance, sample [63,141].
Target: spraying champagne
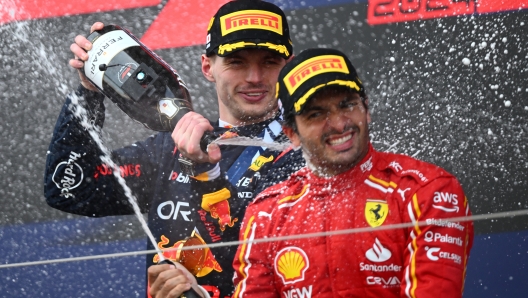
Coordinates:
[142,85]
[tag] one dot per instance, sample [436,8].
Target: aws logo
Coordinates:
[291,264]
[444,198]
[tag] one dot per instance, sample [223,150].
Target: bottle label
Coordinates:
[104,49]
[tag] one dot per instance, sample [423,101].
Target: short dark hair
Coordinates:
[289,118]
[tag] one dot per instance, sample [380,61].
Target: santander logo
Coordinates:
[378,253]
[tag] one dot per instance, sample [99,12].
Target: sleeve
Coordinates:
[438,246]
[254,275]
[76,180]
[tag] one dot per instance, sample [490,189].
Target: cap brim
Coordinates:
[227,49]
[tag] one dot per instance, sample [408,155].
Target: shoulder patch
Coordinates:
[403,165]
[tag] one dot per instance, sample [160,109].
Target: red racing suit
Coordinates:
[419,260]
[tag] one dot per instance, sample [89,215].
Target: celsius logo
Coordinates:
[378,253]
[68,175]
[434,254]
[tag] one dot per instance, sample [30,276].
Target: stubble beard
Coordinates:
[325,167]
[251,114]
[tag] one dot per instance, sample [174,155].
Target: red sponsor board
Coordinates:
[393,11]
[181,23]
[20,10]
[184,23]
[487,6]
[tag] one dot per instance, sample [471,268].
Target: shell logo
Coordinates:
[290,264]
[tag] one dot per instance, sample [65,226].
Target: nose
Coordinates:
[336,120]
[254,73]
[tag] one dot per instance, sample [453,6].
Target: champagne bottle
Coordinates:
[137,80]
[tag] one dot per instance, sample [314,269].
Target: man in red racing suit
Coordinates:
[348,248]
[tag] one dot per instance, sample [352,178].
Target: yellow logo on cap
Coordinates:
[312,67]
[376,212]
[250,19]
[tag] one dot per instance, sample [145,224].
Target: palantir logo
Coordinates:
[378,253]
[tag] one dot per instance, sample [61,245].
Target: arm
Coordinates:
[76,180]
[436,254]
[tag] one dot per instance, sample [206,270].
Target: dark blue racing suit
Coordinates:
[77,181]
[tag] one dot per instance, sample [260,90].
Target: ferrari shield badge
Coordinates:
[376,211]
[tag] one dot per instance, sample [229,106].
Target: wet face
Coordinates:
[245,84]
[333,131]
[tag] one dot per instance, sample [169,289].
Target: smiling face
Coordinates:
[245,84]
[332,130]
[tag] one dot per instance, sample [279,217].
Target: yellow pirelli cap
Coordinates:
[311,71]
[246,24]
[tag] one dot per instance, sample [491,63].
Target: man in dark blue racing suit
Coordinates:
[244,65]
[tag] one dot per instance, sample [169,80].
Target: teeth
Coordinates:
[254,94]
[340,140]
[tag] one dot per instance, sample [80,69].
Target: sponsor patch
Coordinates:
[167,107]
[68,175]
[376,212]
[435,254]
[250,19]
[378,253]
[259,162]
[290,264]
[312,67]
[385,282]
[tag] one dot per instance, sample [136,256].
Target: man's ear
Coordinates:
[292,135]
[207,68]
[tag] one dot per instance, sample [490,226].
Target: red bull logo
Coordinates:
[199,262]
[251,19]
[222,212]
[217,205]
